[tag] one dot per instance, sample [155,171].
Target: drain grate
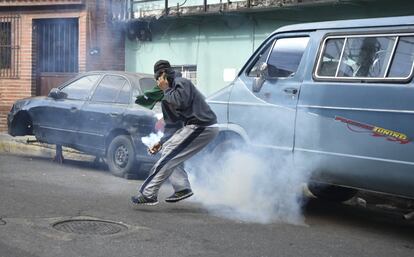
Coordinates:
[90,227]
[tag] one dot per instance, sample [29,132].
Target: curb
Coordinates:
[26,145]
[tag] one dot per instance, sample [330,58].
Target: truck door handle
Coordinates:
[291,90]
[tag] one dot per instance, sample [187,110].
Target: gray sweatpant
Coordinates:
[185,143]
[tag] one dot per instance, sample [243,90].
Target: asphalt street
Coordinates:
[36,195]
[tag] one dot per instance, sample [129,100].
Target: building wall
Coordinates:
[95,30]
[224,42]
[105,35]
[200,43]
[24,86]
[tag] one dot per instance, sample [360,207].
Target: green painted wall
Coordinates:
[219,42]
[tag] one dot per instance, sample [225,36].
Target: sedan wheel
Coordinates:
[121,156]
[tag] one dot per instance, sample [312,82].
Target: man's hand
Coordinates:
[155,148]
[162,82]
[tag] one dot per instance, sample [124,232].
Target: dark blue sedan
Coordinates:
[94,113]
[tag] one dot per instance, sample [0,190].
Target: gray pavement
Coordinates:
[36,194]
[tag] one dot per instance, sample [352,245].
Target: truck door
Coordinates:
[263,100]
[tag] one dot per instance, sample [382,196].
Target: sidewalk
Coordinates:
[27,145]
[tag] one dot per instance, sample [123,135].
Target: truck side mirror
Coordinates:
[260,79]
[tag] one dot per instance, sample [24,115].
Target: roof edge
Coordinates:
[352,23]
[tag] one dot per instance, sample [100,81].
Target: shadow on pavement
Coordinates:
[370,218]
[91,164]
[83,164]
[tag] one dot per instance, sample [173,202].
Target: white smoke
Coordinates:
[249,187]
[247,184]
[152,139]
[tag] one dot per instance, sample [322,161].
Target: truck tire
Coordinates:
[121,156]
[330,192]
[221,149]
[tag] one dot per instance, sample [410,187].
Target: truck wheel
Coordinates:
[221,149]
[121,156]
[330,192]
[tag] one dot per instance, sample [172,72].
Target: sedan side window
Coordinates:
[124,94]
[144,85]
[286,56]
[108,89]
[81,88]
[147,83]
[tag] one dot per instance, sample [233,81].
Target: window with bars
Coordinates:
[9,46]
[57,45]
[187,71]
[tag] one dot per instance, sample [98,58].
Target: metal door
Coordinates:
[56,52]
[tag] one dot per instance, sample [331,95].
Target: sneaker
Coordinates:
[178,196]
[143,200]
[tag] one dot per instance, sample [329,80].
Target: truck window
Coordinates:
[260,59]
[402,64]
[331,56]
[285,57]
[366,57]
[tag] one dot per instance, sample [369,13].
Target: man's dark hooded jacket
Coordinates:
[183,105]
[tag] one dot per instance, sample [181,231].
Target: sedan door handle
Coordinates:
[73,109]
[291,90]
[113,114]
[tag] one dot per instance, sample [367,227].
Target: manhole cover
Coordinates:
[89,227]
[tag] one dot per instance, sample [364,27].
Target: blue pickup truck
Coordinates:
[337,94]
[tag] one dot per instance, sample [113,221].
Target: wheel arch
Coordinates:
[22,124]
[114,133]
[330,191]
[229,133]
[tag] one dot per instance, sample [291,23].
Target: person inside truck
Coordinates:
[370,46]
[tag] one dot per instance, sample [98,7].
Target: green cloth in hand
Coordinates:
[150,97]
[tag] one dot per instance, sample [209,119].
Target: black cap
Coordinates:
[163,66]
